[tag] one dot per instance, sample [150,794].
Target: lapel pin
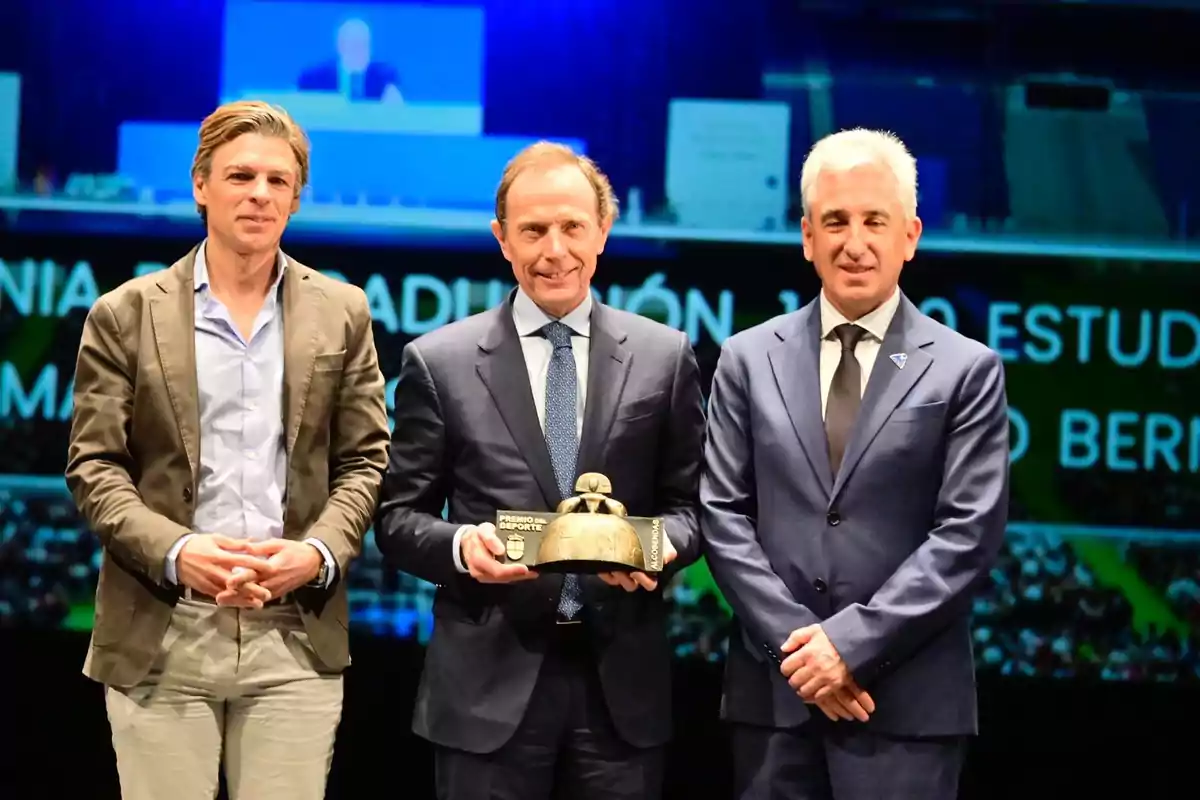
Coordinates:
[899,359]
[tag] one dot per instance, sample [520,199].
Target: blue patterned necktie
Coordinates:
[561,437]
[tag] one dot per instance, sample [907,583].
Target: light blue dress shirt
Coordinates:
[243,455]
[529,320]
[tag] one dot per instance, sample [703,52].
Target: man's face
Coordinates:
[354,45]
[250,192]
[553,235]
[858,237]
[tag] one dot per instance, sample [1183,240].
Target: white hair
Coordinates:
[845,150]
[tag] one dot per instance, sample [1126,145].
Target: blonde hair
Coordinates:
[553,154]
[232,120]
[848,149]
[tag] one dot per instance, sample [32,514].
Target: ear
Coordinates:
[498,232]
[605,229]
[806,237]
[199,190]
[912,234]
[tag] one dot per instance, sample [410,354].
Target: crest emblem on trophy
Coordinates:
[514,547]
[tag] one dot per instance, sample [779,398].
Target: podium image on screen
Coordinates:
[369,67]
[391,97]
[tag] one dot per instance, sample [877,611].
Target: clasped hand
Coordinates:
[816,672]
[246,574]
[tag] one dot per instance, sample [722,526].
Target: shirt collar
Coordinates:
[200,270]
[875,322]
[530,319]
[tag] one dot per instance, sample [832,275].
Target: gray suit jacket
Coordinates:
[467,432]
[884,555]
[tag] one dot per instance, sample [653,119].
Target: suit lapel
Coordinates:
[501,367]
[608,369]
[887,386]
[301,335]
[796,365]
[173,315]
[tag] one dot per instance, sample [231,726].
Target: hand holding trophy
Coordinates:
[588,533]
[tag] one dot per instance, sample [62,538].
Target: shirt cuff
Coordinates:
[330,564]
[170,569]
[457,549]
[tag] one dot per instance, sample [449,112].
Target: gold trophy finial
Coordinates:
[593,489]
[593,482]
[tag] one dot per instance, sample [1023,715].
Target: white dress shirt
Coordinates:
[537,349]
[876,324]
[529,320]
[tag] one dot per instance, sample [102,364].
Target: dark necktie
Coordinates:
[845,395]
[562,439]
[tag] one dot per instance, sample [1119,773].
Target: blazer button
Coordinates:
[833,518]
[187,494]
[820,586]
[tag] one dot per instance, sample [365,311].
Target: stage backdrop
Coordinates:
[1100,574]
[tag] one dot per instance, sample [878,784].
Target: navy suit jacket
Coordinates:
[883,555]
[467,434]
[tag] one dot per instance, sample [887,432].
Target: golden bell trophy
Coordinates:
[588,533]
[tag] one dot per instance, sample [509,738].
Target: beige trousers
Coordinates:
[235,688]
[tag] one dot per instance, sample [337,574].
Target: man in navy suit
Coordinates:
[543,685]
[855,488]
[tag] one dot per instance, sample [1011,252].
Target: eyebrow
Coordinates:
[835,213]
[537,223]
[247,168]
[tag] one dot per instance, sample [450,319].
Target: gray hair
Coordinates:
[848,149]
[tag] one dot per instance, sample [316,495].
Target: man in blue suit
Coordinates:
[854,490]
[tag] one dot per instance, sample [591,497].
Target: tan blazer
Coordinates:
[132,464]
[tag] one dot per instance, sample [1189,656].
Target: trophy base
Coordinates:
[584,567]
[585,543]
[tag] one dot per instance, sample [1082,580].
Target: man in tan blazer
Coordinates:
[227,446]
